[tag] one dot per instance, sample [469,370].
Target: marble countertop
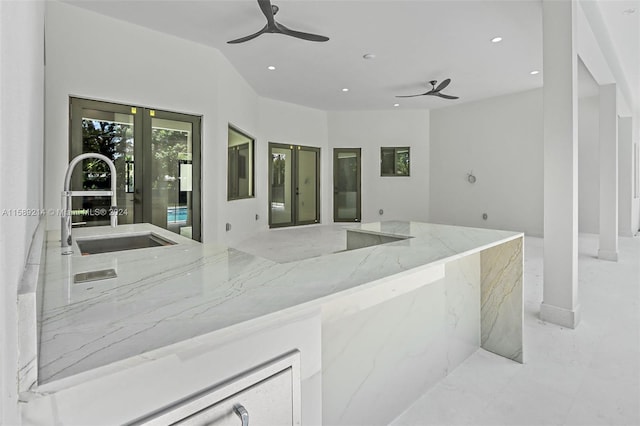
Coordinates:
[166,295]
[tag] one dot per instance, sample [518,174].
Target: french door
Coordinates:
[157,159]
[346,185]
[294,185]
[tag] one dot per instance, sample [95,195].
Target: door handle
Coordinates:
[242,413]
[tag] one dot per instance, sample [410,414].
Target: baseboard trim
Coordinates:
[560,316]
[608,255]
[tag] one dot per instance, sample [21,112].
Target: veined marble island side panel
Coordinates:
[501,299]
[378,360]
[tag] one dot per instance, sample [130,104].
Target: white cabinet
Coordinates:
[266,403]
[268,395]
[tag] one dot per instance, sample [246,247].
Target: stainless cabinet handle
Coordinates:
[242,413]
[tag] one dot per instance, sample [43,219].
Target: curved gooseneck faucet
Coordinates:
[67,194]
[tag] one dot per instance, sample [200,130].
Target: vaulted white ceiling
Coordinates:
[413,41]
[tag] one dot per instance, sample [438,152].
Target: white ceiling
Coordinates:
[414,42]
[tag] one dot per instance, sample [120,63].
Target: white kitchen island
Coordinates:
[373,327]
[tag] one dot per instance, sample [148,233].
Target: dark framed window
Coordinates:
[240,170]
[394,161]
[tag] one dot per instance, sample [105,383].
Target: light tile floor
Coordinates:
[587,376]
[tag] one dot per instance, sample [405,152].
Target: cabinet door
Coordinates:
[269,394]
[269,402]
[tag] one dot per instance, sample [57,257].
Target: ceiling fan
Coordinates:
[272,26]
[435,91]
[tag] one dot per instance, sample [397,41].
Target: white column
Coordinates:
[625,177]
[608,249]
[635,203]
[560,289]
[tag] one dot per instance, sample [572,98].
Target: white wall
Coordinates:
[625,177]
[96,57]
[500,140]
[402,198]
[588,165]
[635,203]
[21,164]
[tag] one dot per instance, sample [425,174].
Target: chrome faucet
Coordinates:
[67,194]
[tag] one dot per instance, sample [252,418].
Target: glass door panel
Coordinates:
[171,175]
[307,185]
[294,187]
[280,185]
[346,185]
[111,130]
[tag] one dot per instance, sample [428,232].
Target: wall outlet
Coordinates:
[485,216]
[228,227]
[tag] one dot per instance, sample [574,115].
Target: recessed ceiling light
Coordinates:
[369,56]
[629,11]
[396,105]
[271,67]
[496,40]
[345,90]
[534,72]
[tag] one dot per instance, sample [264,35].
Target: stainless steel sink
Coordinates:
[121,243]
[357,239]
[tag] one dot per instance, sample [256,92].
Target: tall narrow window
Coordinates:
[240,181]
[157,159]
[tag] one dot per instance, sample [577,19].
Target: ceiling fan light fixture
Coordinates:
[345,89]
[396,105]
[369,56]
[496,40]
[271,68]
[534,72]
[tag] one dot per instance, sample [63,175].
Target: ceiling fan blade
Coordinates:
[411,96]
[443,84]
[447,96]
[249,37]
[299,34]
[267,10]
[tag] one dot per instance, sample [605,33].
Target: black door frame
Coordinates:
[142,118]
[358,153]
[294,183]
